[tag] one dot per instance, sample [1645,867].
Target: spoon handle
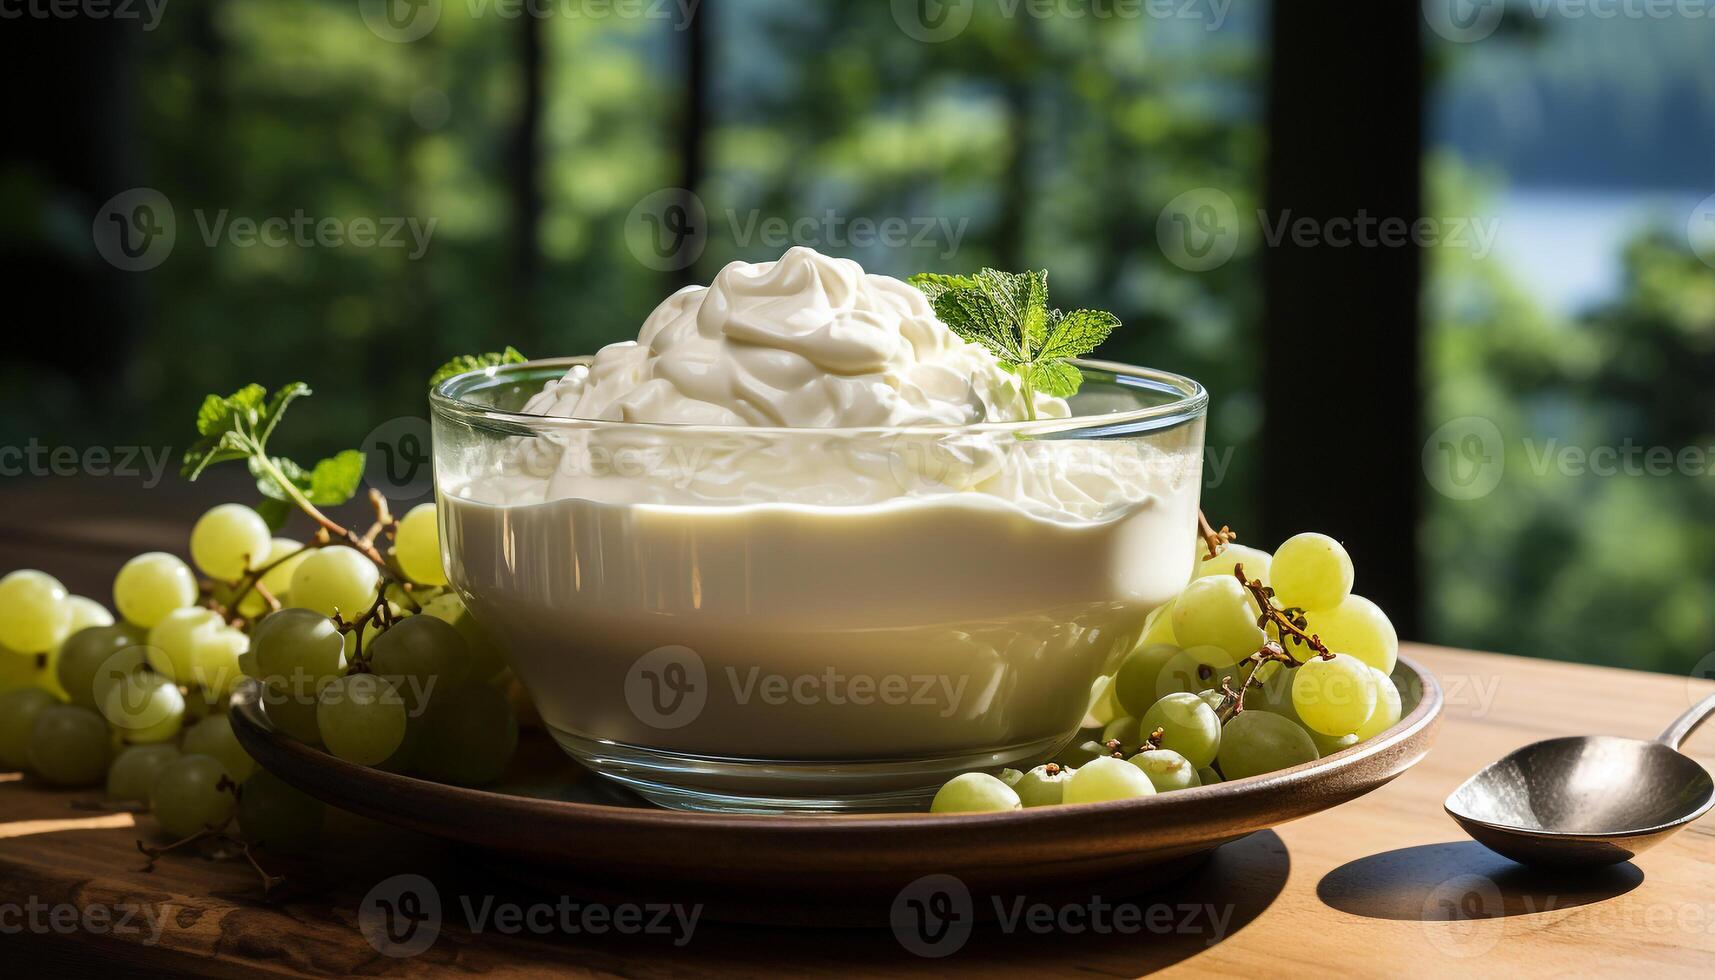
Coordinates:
[1687,723]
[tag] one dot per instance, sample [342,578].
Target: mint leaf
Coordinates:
[218,415]
[473,362]
[274,512]
[277,406]
[933,284]
[268,486]
[1057,378]
[1077,333]
[335,480]
[1007,313]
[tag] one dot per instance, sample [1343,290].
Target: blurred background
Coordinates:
[1448,269]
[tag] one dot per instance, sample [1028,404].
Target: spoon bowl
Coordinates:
[1586,801]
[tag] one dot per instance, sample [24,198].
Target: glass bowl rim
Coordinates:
[1191,402]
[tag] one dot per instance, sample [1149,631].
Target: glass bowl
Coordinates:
[753,619]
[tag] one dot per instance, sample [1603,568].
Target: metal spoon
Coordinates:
[1587,802]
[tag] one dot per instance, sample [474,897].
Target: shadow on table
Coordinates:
[1112,933]
[1462,880]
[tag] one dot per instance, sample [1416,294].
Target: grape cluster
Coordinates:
[380,664]
[1213,690]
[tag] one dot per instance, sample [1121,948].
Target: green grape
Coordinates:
[1274,693]
[214,659]
[1167,770]
[1387,710]
[135,769]
[22,670]
[1103,707]
[417,546]
[1358,627]
[18,711]
[1327,745]
[1134,685]
[284,556]
[201,703]
[1256,562]
[487,656]
[1207,776]
[1123,730]
[974,792]
[1333,696]
[1217,612]
[35,616]
[1195,669]
[144,708]
[1189,727]
[121,667]
[69,746]
[152,585]
[1043,786]
[86,612]
[84,653]
[228,541]
[335,579]
[277,815]
[294,714]
[1311,571]
[188,796]
[1107,778]
[1255,742]
[296,647]
[361,718]
[213,737]
[1158,627]
[170,640]
[1074,756]
[424,657]
[1011,776]
[468,737]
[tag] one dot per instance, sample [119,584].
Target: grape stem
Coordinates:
[1289,622]
[1216,541]
[338,531]
[153,854]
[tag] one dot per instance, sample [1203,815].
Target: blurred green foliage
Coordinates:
[1597,543]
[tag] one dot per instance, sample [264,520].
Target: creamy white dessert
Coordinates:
[804,478]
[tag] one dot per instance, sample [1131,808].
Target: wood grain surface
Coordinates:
[1383,886]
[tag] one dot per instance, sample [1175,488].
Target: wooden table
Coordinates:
[1386,885]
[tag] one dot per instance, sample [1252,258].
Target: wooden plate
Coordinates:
[569,830]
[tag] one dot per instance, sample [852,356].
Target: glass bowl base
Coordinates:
[716,784]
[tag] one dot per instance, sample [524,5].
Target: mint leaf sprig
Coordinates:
[1008,314]
[471,362]
[238,426]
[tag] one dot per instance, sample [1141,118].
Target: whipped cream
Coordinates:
[809,341]
[858,395]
